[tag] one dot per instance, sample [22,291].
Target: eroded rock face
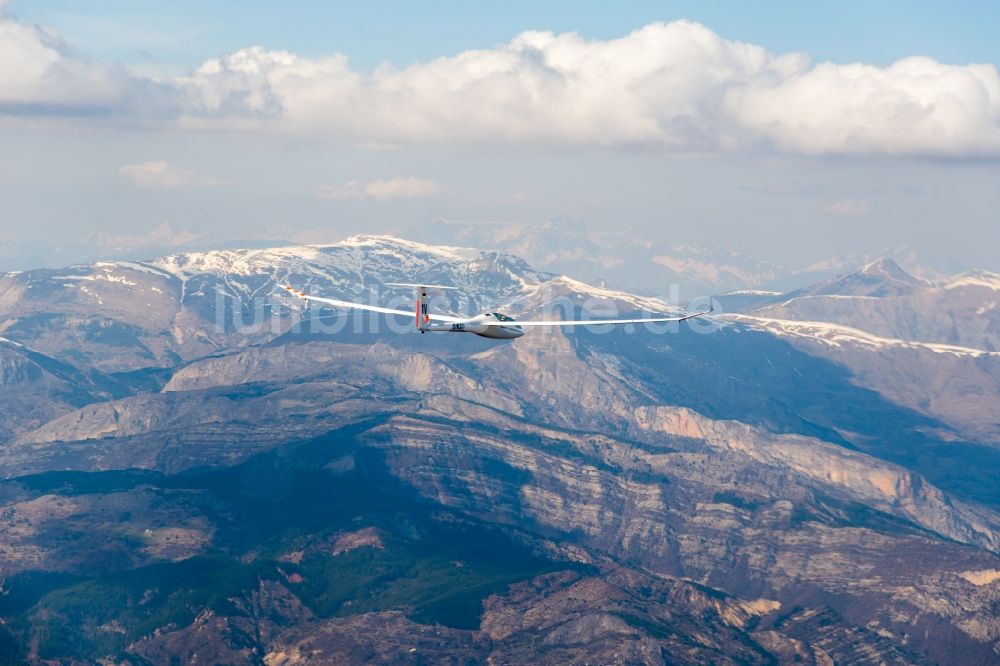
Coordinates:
[417,373]
[619,616]
[384,638]
[877,484]
[15,369]
[34,389]
[684,525]
[622,617]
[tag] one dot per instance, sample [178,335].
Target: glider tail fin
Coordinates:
[422,316]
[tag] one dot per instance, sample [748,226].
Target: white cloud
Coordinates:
[849,208]
[404,187]
[672,86]
[348,190]
[407,187]
[916,106]
[41,75]
[165,176]
[669,86]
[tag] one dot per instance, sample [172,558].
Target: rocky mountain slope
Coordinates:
[884,300]
[294,490]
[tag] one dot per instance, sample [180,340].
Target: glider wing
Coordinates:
[594,322]
[363,306]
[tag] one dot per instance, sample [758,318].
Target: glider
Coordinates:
[488,324]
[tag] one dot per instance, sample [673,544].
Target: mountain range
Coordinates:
[636,263]
[198,468]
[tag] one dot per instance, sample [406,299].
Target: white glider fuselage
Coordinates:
[488,325]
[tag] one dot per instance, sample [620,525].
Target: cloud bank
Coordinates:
[849,208]
[667,86]
[404,187]
[165,176]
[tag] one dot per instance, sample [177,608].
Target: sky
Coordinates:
[789,131]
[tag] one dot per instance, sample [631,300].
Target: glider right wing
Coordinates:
[594,322]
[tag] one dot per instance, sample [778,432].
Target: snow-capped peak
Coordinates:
[404,254]
[889,270]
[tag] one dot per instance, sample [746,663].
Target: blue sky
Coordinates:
[186,32]
[709,129]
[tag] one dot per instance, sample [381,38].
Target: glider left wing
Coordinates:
[363,306]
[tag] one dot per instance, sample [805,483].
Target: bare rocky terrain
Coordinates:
[196,469]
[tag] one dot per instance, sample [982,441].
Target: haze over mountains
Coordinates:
[194,464]
[639,264]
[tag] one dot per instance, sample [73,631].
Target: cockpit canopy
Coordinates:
[501,317]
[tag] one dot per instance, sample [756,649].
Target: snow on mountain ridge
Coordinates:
[349,269]
[343,255]
[752,292]
[353,267]
[836,335]
[563,282]
[974,278]
[370,240]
